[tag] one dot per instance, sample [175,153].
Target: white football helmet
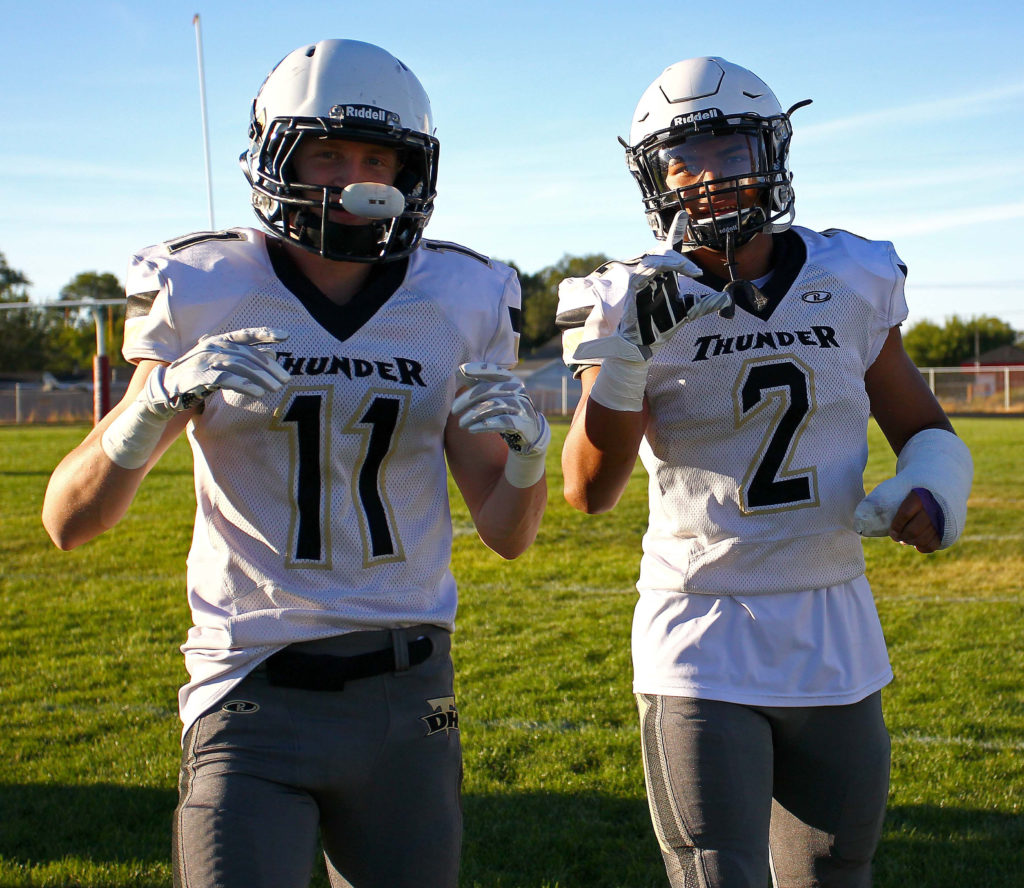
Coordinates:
[691,103]
[351,90]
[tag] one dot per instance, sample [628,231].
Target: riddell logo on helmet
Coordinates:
[697,116]
[367,113]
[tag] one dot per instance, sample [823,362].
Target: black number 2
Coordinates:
[377,421]
[771,483]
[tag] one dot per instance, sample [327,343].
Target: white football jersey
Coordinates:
[757,441]
[323,508]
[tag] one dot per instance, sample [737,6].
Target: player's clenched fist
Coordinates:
[496,401]
[226,361]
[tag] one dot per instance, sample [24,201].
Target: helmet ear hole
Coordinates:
[408,182]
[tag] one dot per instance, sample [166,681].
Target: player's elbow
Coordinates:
[588,498]
[509,553]
[509,546]
[60,533]
[67,527]
[512,539]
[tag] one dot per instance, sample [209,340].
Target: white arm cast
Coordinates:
[939,462]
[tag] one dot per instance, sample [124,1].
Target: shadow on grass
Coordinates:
[931,847]
[544,839]
[43,823]
[514,840]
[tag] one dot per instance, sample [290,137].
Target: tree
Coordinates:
[79,342]
[930,345]
[13,284]
[23,331]
[36,339]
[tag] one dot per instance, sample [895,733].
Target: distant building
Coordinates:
[1004,356]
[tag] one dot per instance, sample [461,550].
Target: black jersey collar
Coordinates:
[789,253]
[341,321]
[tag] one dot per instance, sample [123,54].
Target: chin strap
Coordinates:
[740,288]
[358,240]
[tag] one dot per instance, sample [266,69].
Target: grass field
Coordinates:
[89,669]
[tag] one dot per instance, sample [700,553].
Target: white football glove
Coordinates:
[227,361]
[653,311]
[496,401]
[653,308]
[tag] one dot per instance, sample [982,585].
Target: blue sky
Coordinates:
[915,134]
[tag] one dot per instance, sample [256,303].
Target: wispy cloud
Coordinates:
[33,167]
[1016,285]
[899,224]
[952,108]
[960,218]
[857,183]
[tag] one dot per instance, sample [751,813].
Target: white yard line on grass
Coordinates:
[971,743]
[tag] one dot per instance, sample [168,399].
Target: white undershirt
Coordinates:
[822,647]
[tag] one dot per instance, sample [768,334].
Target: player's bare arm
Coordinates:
[600,451]
[88,493]
[901,401]
[95,484]
[506,517]
[904,407]
[495,443]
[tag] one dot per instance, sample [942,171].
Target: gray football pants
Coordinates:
[375,768]
[738,792]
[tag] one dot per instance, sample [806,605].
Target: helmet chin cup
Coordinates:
[335,239]
[714,231]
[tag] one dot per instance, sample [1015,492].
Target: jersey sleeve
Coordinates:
[873,271]
[893,311]
[182,289]
[503,347]
[149,329]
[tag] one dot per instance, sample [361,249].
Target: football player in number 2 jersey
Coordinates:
[324,368]
[758,654]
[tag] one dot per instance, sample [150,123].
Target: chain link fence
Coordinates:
[979,389]
[26,402]
[995,390]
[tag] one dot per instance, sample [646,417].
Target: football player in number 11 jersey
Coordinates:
[328,369]
[741,361]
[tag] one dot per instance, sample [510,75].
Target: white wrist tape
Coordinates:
[939,462]
[620,385]
[132,437]
[524,471]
